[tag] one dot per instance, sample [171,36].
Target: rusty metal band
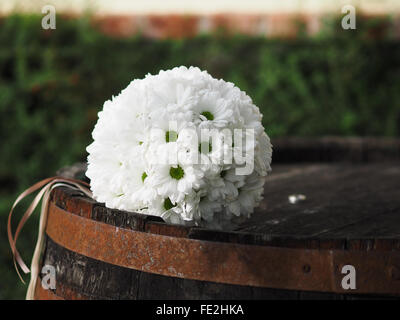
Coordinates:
[250,265]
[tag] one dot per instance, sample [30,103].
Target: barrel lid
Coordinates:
[350,202]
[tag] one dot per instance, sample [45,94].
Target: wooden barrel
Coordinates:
[351,217]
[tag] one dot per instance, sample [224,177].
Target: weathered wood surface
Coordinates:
[343,201]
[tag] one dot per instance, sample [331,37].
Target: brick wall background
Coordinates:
[186,18]
[181,26]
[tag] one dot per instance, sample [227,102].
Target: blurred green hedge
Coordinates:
[53,83]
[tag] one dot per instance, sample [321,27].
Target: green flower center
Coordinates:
[205,147]
[176,173]
[144,176]
[171,136]
[140,143]
[168,204]
[208,115]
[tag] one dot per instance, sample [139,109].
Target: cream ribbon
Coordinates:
[45,186]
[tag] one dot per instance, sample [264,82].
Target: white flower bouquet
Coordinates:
[183,146]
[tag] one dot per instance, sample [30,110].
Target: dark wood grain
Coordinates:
[335,149]
[343,201]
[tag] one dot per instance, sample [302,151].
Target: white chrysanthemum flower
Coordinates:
[176,181]
[183,146]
